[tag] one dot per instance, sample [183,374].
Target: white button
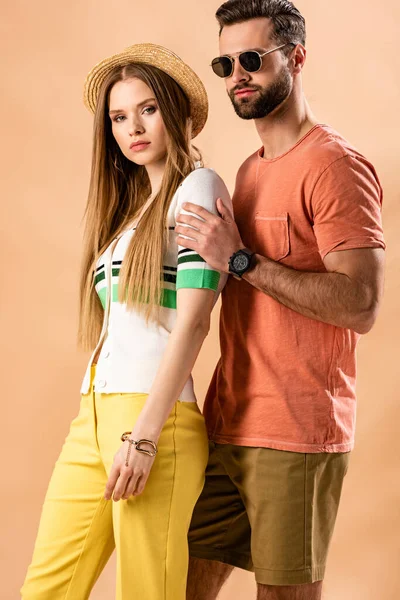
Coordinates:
[101,383]
[106,354]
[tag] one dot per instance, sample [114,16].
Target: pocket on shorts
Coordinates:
[271,235]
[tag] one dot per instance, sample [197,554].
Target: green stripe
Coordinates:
[99,277]
[168,298]
[169,277]
[115,272]
[190,258]
[103,296]
[198,278]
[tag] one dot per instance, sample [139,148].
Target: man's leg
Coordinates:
[306,591]
[291,500]
[206,578]
[220,533]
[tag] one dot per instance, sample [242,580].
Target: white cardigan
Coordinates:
[132,350]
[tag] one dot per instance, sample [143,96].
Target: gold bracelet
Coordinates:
[136,444]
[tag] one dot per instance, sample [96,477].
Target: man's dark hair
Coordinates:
[287,21]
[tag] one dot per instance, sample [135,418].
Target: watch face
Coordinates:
[240,262]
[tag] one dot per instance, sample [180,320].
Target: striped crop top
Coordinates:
[131,350]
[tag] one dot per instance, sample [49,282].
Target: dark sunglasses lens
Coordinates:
[250,61]
[222,66]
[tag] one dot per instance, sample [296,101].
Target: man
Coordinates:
[306,256]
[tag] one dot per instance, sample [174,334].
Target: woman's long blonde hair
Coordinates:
[119,188]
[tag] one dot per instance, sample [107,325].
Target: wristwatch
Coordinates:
[240,262]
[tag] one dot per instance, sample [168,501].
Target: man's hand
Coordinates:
[214,238]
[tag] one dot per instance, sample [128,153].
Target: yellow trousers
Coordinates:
[79,529]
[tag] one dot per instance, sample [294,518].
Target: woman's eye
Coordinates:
[118,118]
[151,110]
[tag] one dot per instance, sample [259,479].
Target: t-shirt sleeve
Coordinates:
[202,187]
[346,203]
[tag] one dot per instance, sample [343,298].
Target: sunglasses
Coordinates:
[251,61]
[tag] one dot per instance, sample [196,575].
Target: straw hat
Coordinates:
[163,59]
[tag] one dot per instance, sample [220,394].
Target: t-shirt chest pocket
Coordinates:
[271,235]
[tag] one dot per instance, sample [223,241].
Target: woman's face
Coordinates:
[136,122]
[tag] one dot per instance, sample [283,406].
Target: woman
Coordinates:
[139,437]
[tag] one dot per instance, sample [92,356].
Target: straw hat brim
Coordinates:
[163,59]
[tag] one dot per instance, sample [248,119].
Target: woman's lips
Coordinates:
[139,147]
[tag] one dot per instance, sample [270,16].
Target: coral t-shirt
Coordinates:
[286,381]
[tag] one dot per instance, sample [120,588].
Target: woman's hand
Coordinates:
[125,481]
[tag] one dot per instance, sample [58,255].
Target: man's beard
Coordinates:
[268,98]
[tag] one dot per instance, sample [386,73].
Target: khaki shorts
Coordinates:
[268,511]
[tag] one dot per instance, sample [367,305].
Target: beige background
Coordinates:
[352,82]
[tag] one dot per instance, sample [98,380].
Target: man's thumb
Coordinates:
[225,214]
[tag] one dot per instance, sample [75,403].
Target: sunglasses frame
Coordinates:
[233,58]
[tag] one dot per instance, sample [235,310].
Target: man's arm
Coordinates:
[348,295]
